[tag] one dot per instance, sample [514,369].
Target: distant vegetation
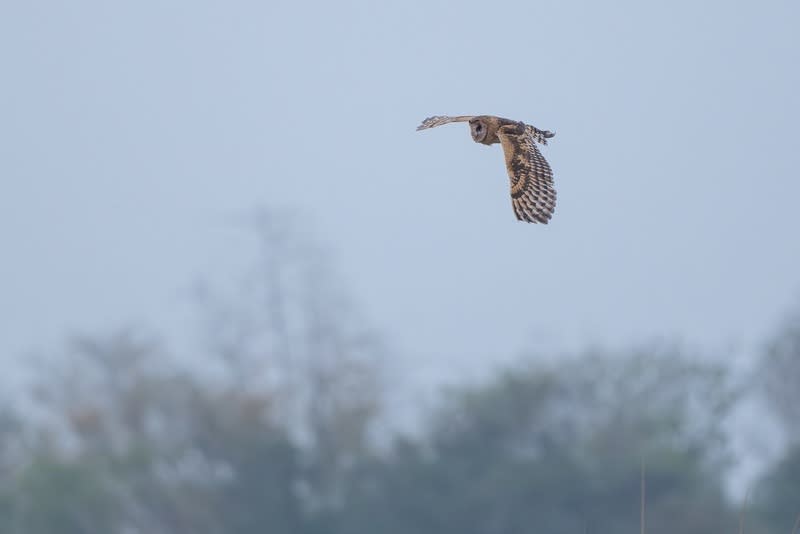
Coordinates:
[279,425]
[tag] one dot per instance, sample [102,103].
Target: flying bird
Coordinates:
[533,195]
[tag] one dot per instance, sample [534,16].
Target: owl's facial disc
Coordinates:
[478,131]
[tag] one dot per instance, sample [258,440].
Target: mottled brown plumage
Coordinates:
[533,195]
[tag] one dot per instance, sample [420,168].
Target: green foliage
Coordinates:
[777,499]
[780,373]
[54,496]
[279,439]
[558,449]
[778,492]
[553,447]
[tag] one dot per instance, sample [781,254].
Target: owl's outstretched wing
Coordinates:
[533,195]
[438,120]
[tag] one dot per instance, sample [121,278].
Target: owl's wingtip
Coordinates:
[426,123]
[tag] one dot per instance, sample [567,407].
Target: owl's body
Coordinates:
[533,196]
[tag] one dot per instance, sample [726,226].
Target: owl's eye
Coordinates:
[478,127]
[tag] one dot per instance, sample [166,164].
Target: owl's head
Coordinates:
[479,129]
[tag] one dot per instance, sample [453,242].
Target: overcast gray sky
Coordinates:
[135,135]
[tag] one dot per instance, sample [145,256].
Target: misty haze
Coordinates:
[240,293]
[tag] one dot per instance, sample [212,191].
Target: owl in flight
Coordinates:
[533,196]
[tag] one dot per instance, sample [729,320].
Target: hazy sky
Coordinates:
[134,136]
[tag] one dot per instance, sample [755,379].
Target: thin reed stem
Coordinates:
[643,499]
[743,511]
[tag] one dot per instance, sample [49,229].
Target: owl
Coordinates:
[533,196]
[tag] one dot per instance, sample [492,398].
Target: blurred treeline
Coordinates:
[279,423]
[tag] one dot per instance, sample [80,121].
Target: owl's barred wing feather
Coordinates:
[533,195]
[438,120]
[541,136]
